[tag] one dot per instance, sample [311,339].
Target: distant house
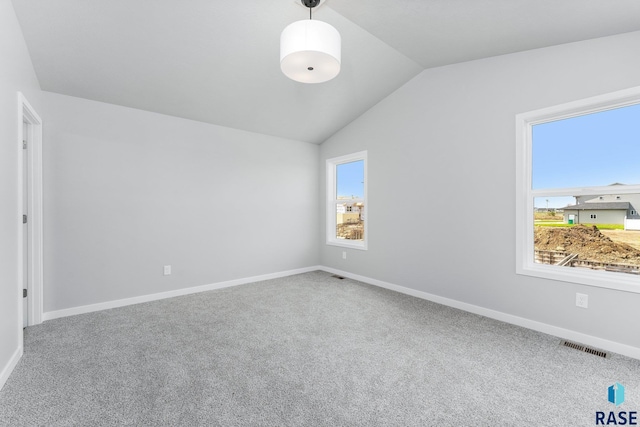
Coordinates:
[605,209]
[349,212]
[544,210]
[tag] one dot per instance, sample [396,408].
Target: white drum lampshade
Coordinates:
[310,51]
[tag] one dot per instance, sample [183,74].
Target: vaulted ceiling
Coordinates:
[217,61]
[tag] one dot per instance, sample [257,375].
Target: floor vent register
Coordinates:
[585,349]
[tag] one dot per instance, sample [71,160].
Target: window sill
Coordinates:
[584,276]
[362,246]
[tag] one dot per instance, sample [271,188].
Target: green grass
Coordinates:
[600,226]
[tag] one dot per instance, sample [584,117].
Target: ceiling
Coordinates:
[217,61]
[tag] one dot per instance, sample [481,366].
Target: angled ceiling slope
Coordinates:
[218,61]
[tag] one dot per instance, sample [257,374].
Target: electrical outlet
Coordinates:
[582,300]
[344,254]
[167,270]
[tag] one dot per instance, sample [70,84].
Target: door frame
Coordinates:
[27,114]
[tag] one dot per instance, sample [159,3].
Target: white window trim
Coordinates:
[525,194]
[332,202]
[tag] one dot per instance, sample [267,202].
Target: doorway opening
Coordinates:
[31,224]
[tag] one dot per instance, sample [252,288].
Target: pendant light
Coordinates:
[310,50]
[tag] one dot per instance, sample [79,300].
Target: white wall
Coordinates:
[16,74]
[128,191]
[443,146]
[631,224]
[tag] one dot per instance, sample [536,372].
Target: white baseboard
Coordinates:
[578,337]
[50,315]
[10,366]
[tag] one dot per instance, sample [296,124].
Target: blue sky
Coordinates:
[350,179]
[592,150]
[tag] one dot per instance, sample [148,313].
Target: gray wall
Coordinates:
[444,144]
[128,191]
[16,74]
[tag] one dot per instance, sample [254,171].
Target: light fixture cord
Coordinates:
[310,9]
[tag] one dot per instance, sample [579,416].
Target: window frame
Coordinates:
[332,202]
[525,194]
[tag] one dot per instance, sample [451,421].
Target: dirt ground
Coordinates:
[590,243]
[351,231]
[631,238]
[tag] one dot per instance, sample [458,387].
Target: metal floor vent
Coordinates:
[335,276]
[585,349]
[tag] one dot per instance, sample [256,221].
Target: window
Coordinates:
[577,173]
[347,201]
